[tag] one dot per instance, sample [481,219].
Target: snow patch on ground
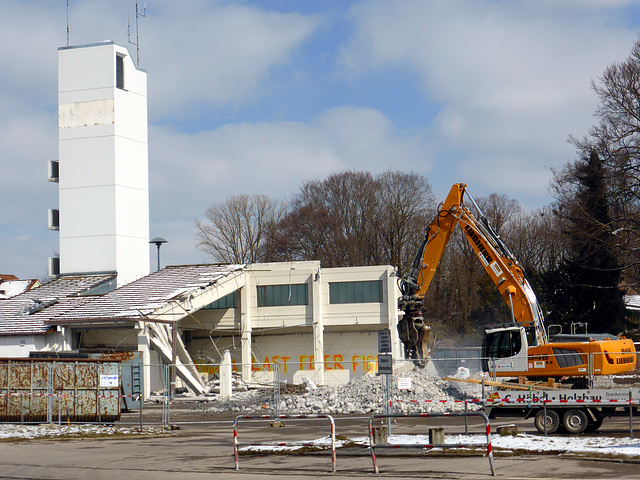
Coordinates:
[521,442]
[10,431]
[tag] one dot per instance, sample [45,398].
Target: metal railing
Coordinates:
[487,444]
[266,418]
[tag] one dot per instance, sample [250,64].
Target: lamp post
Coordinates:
[157,242]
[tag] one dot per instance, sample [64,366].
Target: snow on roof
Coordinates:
[11,288]
[21,314]
[632,302]
[142,297]
[68,299]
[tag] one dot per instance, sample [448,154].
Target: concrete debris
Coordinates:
[362,395]
[309,384]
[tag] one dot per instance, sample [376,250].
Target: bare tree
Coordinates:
[351,199]
[235,229]
[306,232]
[537,240]
[616,139]
[406,202]
[353,219]
[501,211]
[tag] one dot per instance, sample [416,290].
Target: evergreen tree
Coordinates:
[585,286]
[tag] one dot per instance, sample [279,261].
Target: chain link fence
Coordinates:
[108,392]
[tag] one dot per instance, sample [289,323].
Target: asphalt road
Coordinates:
[199,452]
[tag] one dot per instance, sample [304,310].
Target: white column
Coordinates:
[225,375]
[318,329]
[392,312]
[245,327]
[143,346]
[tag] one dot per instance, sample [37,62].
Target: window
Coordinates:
[100,289]
[567,358]
[54,171]
[119,72]
[503,344]
[282,295]
[54,219]
[228,301]
[356,292]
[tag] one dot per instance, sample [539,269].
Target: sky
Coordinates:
[257,97]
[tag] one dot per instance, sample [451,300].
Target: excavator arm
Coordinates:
[495,257]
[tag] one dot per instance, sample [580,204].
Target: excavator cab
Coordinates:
[504,349]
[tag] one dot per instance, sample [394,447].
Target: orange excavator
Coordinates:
[519,348]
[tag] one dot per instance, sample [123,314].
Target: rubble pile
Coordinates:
[362,395]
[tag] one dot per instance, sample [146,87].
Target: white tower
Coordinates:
[103,162]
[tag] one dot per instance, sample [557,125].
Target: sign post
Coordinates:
[385,367]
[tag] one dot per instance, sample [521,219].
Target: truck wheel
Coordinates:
[552,421]
[594,425]
[575,421]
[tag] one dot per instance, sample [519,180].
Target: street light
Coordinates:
[157,242]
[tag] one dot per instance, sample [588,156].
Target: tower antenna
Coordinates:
[67,23]
[137,42]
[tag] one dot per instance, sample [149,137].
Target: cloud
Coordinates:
[275,158]
[190,172]
[203,54]
[512,79]
[248,97]
[217,54]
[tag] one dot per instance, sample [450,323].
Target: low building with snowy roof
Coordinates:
[22,317]
[632,304]
[10,286]
[291,317]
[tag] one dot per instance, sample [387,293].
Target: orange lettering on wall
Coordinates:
[370,363]
[284,363]
[326,362]
[337,365]
[354,363]
[266,364]
[302,359]
[255,366]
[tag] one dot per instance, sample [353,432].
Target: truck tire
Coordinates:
[594,425]
[552,420]
[575,421]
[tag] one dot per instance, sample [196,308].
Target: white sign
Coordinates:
[404,383]
[384,341]
[109,380]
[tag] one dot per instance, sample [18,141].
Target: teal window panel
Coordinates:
[283,295]
[228,301]
[355,292]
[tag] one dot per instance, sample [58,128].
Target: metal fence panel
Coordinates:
[37,390]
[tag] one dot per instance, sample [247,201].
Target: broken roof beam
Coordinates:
[198,298]
[192,381]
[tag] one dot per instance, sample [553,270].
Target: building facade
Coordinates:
[298,317]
